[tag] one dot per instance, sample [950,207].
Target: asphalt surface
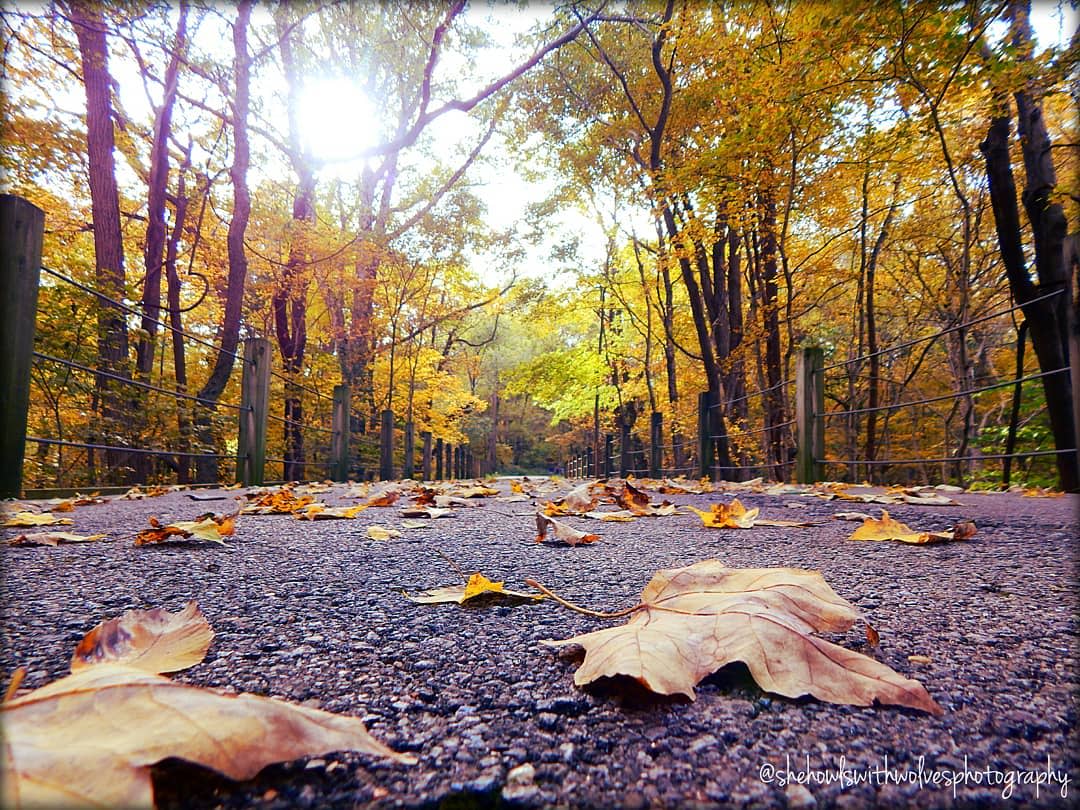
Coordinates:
[314,612]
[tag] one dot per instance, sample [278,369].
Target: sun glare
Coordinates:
[337,120]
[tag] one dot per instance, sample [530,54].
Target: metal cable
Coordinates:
[946,459]
[282,420]
[754,432]
[753,394]
[137,383]
[935,336]
[90,446]
[139,314]
[752,466]
[948,396]
[295,384]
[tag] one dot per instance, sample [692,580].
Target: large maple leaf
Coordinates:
[694,620]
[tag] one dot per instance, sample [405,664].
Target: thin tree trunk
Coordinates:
[90,28]
[229,333]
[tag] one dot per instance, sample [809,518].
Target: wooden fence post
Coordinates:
[609,454]
[656,441]
[410,452]
[624,449]
[254,398]
[809,414]
[386,446]
[425,438]
[21,227]
[439,455]
[339,436]
[590,463]
[705,441]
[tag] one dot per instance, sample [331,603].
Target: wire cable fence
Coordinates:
[915,436]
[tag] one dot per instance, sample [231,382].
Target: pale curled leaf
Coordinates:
[154,640]
[382,533]
[53,538]
[88,740]
[728,516]
[561,531]
[694,620]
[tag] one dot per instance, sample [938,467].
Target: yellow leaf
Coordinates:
[154,641]
[728,516]
[213,528]
[885,528]
[33,519]
[694,620]
[320,511]
[477,585]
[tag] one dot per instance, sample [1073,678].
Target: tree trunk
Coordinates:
[183,406]
[774,395]
[1047,319]
[229,332]
[90,28]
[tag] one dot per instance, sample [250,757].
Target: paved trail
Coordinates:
[313,611]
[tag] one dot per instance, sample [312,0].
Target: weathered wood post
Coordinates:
[410,452]
[339,436]
[590,468]
[439,459]
[624,449]
[656,444]
[386,445]
[21,227]
[609,455]
[254,401]
[449,461]
[809,414]
[705,440]
[425,462]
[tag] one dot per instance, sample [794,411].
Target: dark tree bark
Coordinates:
[183,410]
[773,399]
[90,29]
[1047,318]
[229,333]
[157,190]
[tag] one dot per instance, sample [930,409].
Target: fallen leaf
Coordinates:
[25,519]
[154,641]
[477,491]
[477,585]
[621,516]
[53,538]
[920,659]
[425,512]
[885,528]
[692,621]
[386,498]
[89,739]
[320,511]
[561,531]
[728,516]
[382,533]
[213,496]
[282,501]
[577,501]
[213,528]
[415,524]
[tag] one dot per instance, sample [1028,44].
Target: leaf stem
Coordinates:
[458,568]
[16,681]
[532,583]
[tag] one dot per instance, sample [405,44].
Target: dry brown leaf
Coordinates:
[154,641]
[728,516]
[621,516]
[89,739]
[561,531]
[53,538]
[694,620]
[885,528]
[26,519]
[386,498]
[475,491]
[425,512]
[210,527]
[577,501]
[282,501]
[477,585]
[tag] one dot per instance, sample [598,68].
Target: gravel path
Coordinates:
[313,611]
